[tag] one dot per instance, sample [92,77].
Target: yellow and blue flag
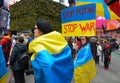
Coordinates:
[84,65]
[101,8]
[51,59]
[3,68]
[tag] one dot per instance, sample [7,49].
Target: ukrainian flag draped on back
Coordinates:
[101,8]
[84,65]
[3,68]
[51,60]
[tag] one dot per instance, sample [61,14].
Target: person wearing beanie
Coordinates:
[42,27]
[51,55]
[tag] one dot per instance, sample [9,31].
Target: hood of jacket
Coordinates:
[7,37]
[22,47]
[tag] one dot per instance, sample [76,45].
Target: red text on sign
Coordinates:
[69,28]
[68,14]
[87,27]
[86,10]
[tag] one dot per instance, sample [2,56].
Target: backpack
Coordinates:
[24,60]
[8,45]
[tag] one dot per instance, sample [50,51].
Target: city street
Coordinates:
[74,31]
[112,75]
[103,76]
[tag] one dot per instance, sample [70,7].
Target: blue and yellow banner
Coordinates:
[101,8]
[84,65]
[51,60]
[78,13]
[79,21]
[3,68]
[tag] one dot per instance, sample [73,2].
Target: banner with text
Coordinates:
[79,21]
[4,16]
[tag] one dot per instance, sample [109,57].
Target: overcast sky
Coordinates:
[65,1]
[12,1]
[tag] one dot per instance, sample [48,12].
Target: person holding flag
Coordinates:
[3,67]
[84,65]
[51,58]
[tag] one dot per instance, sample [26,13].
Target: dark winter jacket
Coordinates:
[17,51]
[107,50]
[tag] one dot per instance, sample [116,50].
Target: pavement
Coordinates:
[28,78]
[113,74]
[103,76]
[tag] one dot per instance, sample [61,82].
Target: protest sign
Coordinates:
[79,21]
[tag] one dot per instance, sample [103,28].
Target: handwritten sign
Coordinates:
[79,21]
[83,28]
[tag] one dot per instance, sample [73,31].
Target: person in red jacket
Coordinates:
[107,55]
[6,42]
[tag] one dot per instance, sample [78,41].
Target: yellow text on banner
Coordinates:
[79,28]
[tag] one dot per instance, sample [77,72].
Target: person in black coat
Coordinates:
[94,51]
[18,70]
[107,55]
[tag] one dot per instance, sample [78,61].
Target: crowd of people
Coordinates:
[51,53]
[101,50]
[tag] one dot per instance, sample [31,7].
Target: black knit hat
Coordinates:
[43,26]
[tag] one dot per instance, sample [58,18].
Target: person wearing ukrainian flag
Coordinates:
[3,67]
[51,58]
[84,65]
